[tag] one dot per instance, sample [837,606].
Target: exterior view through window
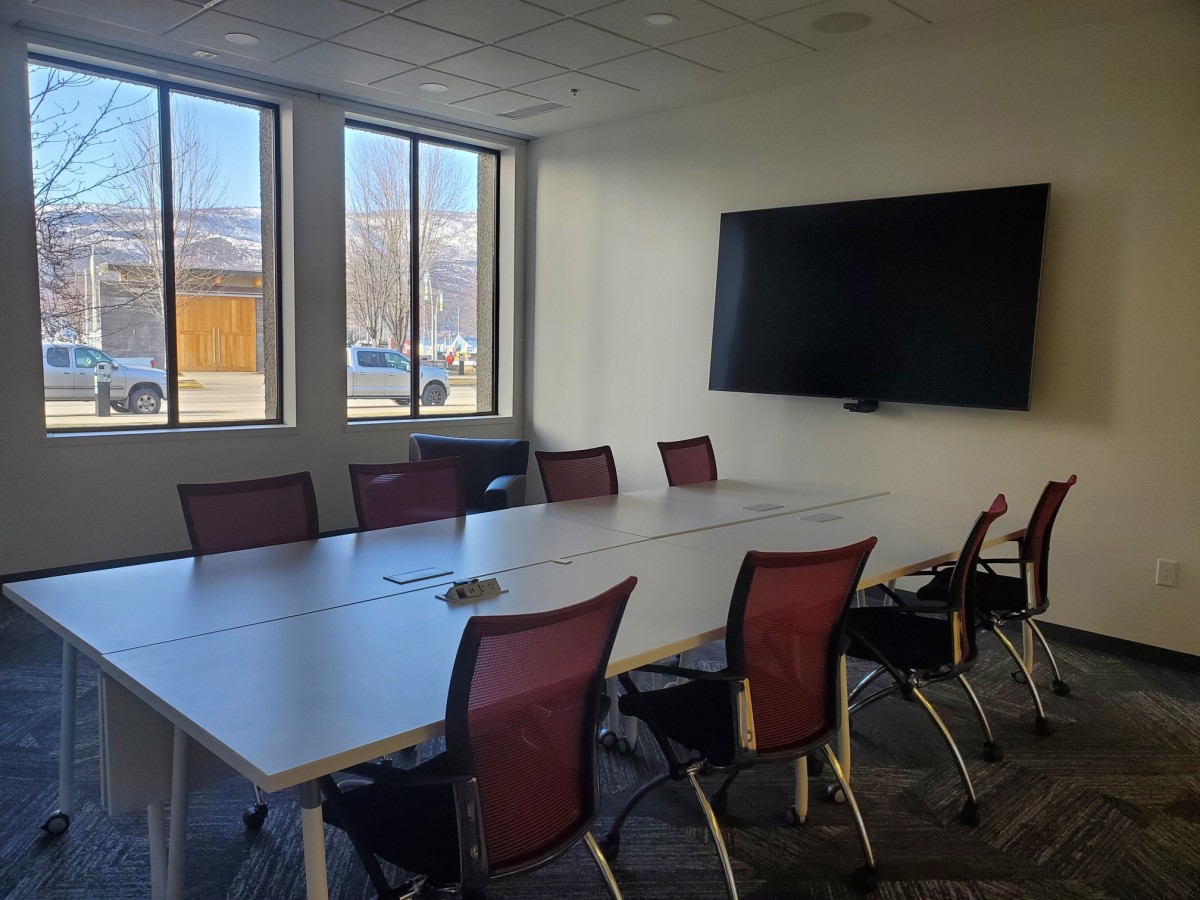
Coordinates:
[420,276]
[156,230]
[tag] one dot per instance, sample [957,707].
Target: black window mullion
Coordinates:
[414,291]
[168,251]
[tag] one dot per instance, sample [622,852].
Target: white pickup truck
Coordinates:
[378,373]
[69,373]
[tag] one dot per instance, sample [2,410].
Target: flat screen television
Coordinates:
[923,299]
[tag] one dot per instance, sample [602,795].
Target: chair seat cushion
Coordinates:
[413,827]
[907,640]
[993,593]
[696,714]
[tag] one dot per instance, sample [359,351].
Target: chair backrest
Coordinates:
[521,716]
[1035,545]
[961,593]
[238,515]
[484,459]
[784,634]
[405,493]
[689,461]
[576,474]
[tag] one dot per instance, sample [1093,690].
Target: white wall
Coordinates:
[624,227]
[78,499]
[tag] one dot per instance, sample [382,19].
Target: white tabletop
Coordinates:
[660,512]
[292,699]
[914,533]
[116,609]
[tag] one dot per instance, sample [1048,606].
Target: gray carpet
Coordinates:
[1107,807]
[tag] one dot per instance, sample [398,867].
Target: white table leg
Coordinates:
[156,826]
[66,758]
[315,874]
[843,737]
[800,774]
[176,854]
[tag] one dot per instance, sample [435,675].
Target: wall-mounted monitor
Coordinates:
[923,299]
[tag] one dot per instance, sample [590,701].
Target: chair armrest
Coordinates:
[505,492]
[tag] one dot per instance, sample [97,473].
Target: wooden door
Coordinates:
[216,334]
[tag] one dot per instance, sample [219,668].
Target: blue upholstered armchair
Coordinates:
[494,467]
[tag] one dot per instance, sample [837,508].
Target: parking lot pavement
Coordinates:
[238,397]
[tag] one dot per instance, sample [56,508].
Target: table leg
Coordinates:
[800,783]
[315,874]
[156,823]
[176,853]
[66,759]
[843,737]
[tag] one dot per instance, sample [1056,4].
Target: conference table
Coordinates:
[270,662]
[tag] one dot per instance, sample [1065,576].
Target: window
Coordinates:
[421,212]
[156,211]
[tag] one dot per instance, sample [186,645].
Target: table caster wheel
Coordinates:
[1042,726]
[57,824]
[607,739]
[793,818]
[254,816]
[866,879]
[624,747]
[1061,687]
[1018,676]
[992,752]
[970,813]
[835,793]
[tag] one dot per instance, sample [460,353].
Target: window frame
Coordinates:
[163,88]
[416,139]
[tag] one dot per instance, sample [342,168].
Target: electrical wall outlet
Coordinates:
[1167,573]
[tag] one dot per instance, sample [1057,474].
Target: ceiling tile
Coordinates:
[938,10]
[591,90]
[320,20]
[571,44]
[649,70]
[487,22]
[383,5]
[885,19]
[499,102]
[737,48]
[210,27]
[570,7]
[410,83]
[152,16]
[760,9]
[495,65]
[400,39]
[695,18]
[345,63]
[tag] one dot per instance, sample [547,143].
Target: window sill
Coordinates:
[165,435]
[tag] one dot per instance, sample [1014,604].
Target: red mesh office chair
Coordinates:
[918,643]
[688,462]
[239,515]
[576,474]
[405,493]
[517,785]
[1000,599]
[775,700]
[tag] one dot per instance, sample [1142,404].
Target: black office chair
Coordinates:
[518,784]
[1000,599]
[777,697]
[494,468]
[920,643]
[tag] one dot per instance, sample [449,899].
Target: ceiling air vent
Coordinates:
[528,111]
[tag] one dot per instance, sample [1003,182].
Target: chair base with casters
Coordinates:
[254,816]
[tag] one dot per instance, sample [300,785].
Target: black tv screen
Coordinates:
[923,299]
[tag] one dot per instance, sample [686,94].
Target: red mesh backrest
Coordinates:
[962,580]
[785,631]
[688,462]
[405,493]
[575,474]
[1036,543]
[238,515]
[523,708]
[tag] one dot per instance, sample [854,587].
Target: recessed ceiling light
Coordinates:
[203,54]
[660,19]
[238,37]
[435,87]
[841,22]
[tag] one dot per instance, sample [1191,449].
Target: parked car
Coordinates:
[380,373]
[69,373]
